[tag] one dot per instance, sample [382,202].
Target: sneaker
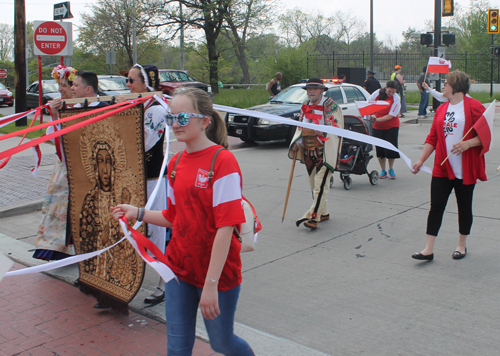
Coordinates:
[156,297]
[392,175]
[383,174]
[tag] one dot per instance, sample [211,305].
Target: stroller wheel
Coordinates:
[331,181]
[342,177]
[373,177]
[347,182]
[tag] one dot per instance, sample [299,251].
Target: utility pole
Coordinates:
[182,36]
[371,34]
[134,39]
[20,59]
[437,43]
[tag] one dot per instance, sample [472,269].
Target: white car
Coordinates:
[288,104]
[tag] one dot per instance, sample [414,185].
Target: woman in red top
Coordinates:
[386,126]
[462,169]
[203,212]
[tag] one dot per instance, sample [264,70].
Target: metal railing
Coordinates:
[476,65]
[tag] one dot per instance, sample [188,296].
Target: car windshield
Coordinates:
[175,77]
[291,95]
[112,84]
[2,86]
[50,88]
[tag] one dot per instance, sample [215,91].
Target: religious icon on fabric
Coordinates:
[106,167]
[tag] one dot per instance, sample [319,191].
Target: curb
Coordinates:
[22,208]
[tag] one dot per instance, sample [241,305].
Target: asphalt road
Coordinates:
[351,287]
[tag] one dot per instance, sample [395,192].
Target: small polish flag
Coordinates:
[483,127]
[370,107]
[438,65]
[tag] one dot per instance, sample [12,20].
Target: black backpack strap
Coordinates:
[172,175]
[211,173]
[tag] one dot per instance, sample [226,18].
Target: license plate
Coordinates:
[239,131]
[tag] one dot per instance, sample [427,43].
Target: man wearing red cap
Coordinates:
[317,149]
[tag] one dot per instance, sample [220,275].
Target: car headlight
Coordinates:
[209,89]
[230,118]
[9,94]
[264,122]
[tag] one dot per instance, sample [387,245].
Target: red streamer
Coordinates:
[14,150]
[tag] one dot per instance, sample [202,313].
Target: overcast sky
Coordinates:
[388,21]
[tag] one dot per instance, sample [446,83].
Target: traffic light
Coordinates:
[493,28]
[425,39]
[448,39]
[448,8]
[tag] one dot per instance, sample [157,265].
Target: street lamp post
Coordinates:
[371,34]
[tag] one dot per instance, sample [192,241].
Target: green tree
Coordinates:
[472,37]
[204,15]
[109,26]
[242,19]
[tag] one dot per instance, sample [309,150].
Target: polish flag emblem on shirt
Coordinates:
[201,179]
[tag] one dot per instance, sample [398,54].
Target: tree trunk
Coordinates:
[213,60]
[242,60]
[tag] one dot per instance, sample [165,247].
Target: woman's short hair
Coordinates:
[459,81]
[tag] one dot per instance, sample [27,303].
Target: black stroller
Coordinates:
[355,155]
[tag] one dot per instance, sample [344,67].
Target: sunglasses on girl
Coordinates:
[182,118]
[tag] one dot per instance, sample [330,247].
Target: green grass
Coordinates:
[242,98]
[13,128]
[413,97]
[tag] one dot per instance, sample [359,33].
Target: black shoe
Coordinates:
[155,299]
[421,257]
[99,306]
[457,255]
[76,283]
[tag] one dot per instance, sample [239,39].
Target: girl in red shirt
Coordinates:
[386,126]
[203,211]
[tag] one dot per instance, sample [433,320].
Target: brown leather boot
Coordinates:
[311,224]
[324,217]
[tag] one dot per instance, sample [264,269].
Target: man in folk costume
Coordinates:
[316,149]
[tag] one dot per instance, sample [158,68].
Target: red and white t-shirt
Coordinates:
[197,208]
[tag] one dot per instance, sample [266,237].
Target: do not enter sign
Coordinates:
[53,38]
[3,73]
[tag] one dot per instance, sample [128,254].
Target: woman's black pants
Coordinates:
[441,188]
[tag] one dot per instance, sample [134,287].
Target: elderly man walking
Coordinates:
[317,149]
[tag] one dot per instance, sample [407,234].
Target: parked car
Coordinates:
[112,85]
[50,92]
[288,104]
[6,97]
[171,79]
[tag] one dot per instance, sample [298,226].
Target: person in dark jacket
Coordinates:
[371,83]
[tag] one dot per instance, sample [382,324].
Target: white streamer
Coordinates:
[330,129]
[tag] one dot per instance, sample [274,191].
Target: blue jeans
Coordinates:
[181,304]
[424,102]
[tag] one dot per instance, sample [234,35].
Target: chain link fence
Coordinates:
[476,65]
